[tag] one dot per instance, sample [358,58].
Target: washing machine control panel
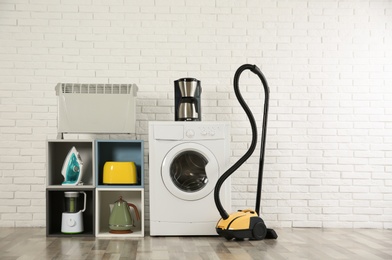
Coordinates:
[205,132]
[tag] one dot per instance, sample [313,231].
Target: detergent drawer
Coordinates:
[96,108]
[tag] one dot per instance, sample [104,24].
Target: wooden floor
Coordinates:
[353,244]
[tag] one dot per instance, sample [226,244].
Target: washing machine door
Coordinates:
[190,171]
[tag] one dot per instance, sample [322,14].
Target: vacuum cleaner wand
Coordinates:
[257,230]
[263,137]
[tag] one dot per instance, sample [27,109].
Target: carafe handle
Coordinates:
[84,204]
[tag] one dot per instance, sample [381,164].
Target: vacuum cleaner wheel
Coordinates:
[259,230]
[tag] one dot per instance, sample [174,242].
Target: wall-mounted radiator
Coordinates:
[96,108]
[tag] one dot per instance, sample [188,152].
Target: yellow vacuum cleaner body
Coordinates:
[241,225]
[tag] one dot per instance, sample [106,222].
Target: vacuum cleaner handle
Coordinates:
[252,121]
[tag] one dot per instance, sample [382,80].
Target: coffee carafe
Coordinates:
[187,99]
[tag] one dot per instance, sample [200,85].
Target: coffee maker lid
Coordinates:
[187,79]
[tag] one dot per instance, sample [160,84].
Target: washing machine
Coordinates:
[185,161]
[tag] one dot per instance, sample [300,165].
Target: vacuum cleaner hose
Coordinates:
[252,147]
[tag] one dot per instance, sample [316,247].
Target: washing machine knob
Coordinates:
[190,133]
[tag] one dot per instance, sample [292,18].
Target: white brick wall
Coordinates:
[328,63]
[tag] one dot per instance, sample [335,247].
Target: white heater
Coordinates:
[96,108]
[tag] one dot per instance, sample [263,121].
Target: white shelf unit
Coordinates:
[94,154]
[57,151]
[107,196]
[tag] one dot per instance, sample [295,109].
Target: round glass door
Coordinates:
[190,171]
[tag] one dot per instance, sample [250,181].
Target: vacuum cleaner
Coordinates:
[246,224]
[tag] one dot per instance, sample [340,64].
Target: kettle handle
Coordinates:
[136,211]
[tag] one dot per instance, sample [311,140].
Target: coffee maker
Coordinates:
[187,99]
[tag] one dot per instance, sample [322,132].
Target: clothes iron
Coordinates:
[72,168]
